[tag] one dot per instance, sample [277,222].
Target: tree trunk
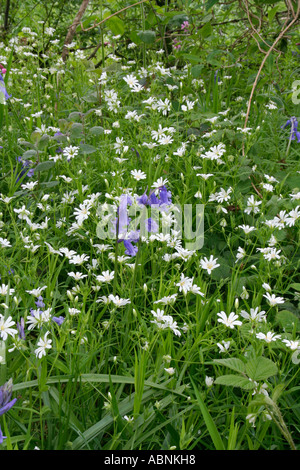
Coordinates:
[73,27]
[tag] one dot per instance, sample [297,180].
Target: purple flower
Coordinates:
[5,394]
[165,196]
[21,328]
[295,134]
[1,436]
[58,320]
[39,303]
[131,250]
[3,90]
[151,225]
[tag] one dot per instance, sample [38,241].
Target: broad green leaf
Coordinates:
[44,166]
[96,130]
[148,36]
[86,148]
[288,321]
[116,25]
[260,368]
[231,380]
[295,285]
[232,363]
[76,129]
[28,154]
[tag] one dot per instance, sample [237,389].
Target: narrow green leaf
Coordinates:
[211,427]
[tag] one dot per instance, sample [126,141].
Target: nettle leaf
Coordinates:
[232,363]
[235,381]
[260,368]
[44,166]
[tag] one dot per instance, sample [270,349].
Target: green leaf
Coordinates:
[232,363]
[288,321]
[211,427]
[44,166]
[96,130]
[76,129]
[260,368]
[206,30]
[231,380]
[177,20]
[28,154]
[210,3]
[87,148]
[295,285]
[116,25]
[148,36]
[196,70]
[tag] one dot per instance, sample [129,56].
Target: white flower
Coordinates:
[273,300]
[138,175]
[254,315]
[170,370]
[70,152]
[73,311]
[36,292]
[43,344]
[77,276]
[5,327]
[4,243]
[252,205]
[185,284]
[210,264]
[231,321]
[117,301]
[269,337]
[247,228]
[224,346]
[106,276]
[22,213]
[293,345]
[209,381]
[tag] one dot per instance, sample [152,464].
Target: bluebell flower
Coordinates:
[1,436]
[4,96]
[131,250]
[58,320]
[24,170]
[39,303]
[21,328]
[5,398]
[151,225]
[295,134]
[165,196]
